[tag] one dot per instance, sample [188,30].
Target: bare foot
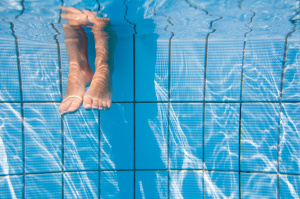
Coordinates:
[80,73]
[99,94]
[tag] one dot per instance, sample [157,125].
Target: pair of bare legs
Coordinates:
[99,94]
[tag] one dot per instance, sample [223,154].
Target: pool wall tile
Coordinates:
[39,63]
[263,69]
[151,136]
[117,137]
[11,187]
[43,186]
[221,184]
[9,74]
[187,70]
[222,136]
[117,184]
[259,137]
[81,185]
[255,185]
[186,184]
[289,138]
[151,184]
[224,68]
[186,121]
[123,70]
[289,186]
[152,68]
[43,138]
[291,81]
[11,139]
[81,144]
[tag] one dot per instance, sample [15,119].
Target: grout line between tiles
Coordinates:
[120,170]
[22,104]
[281,95]
[99,136]
[172,102]
[169,110]
[134,173]
[61,96]
[241,94]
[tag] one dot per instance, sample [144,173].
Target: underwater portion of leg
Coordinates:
[99,94]
[80,73]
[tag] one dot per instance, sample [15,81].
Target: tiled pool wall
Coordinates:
[199,110]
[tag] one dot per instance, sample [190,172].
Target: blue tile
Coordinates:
[259,139]
[117,13]
[9,75]
[291,81]
[151,136]
[289,186]
[151,184]
[123,70]
[263,69]
[224,68]
[11,139]
[221,185]
[187,70]
[43,186]
[151,69]
[255,185]
[11,187]
[117,184]
[39,62]
[222,136]
[186,184]
[186,121]
[117,137]
[81,185]
[43,138]
[81,149]
[289,139]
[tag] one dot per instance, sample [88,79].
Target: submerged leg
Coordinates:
[80,73]
[99,94]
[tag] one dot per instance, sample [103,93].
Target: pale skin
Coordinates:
[99,93]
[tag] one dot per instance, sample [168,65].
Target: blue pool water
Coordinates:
[206,102]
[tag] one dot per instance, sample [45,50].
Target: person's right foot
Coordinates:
[80,73]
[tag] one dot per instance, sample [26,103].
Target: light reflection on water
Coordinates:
[218,51]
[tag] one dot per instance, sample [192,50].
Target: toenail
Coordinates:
[88,106]
[72,109]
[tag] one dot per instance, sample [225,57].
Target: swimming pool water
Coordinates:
[206,102]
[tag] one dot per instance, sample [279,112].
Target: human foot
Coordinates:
[80,73]
[99,94]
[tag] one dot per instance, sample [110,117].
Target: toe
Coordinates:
[75,105]
[64,106]
[108,105]
[100,104]
[87,102]
[95,103]
[104,104]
